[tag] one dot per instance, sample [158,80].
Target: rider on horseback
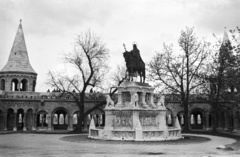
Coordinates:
[136,56]
[134,63]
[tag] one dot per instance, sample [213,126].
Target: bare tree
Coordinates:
[116,79]
[179,74]
[88,61]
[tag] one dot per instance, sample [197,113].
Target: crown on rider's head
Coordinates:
[135,43]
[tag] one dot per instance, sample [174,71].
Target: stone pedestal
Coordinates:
[136,117]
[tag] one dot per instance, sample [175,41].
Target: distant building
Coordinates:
[21,108]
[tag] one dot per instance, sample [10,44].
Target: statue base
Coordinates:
[136,117]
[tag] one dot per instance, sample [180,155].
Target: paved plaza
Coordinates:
[52,145]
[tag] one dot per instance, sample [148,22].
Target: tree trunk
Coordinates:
[79,127]
[214,105]
[186,119]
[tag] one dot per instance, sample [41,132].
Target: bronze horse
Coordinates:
[134,66]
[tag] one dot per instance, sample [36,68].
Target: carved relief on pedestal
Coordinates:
[148,120]
[122,121]
[152,134]
[123,134]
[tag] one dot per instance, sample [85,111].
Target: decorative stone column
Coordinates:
[227,125]
[34,122]
[50,119]
[119,103]
[18,85]
[236,124]
[152,101]
[15,122]
[70,122]
[25,121]
[5,120]
[142,100]
[207,127]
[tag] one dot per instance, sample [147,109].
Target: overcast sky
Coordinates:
[50,27]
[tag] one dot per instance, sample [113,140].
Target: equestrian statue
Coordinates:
[134,63]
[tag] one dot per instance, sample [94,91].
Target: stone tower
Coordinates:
[18,74]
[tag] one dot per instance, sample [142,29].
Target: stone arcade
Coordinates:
[136,117]
[23,109]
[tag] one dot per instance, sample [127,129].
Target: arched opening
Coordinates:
[236,121]
[10,119]
[42,120]
[34,85]
[59,119]
[1,120]
[221,120]
[20,119]
[29,119]
[196,121]
[75,119]
[181,117]
[102,122]
[24,85]
[14,84]
[169,117]
[210,120]
[98,116]
[2,87]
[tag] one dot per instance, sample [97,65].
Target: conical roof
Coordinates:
[225,38]
[18,60]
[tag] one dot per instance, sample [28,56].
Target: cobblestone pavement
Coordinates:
[50,145]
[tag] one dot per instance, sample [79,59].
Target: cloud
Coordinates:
[51,17]
[50,26]
[213,16]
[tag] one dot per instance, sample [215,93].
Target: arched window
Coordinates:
[199,119]
[14,84]
[192,119]
[75,119]
[169,117]
[24,85]
[101,119]
[20,118]
[2,87]
[169,120]
[180,116]
[182,119]
[55,119]
[61,119]
[40,118]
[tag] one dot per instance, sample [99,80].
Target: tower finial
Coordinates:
[20,21]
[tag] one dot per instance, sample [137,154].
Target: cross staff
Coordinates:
[124,46]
